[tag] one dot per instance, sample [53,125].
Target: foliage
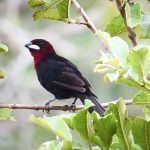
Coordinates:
[115,130]
[140,22]
[51,9]
[6,114]
[3,48]
[124,66]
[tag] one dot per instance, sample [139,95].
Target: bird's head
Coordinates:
[40,49]
[39,46]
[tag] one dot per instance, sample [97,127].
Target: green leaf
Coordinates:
[67,145]
[145,26]
[3,48]
[79,123]
[133,14]
[144,54]
[123,123]
[83,123]
[68,119]
[63,9]
[115,146]
[46,14]
[120,50]
[131,82]
[50,3]
[116,26]
[50,9]
[6,114]
[46,3]
[97,141]
[111,64]
[105,128]
[141,98]
[112,76]
[78,145]
[118,46]
[135,62]
[35,3]
[141,132]
[146,110]
[55,145]
[52,145]
[90,128]
[54,124]
[128,82]
[2,75]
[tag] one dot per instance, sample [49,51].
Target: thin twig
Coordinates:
[70,21]
[90,25]
[80,9]
[131,33]
[63,108]
[38,107]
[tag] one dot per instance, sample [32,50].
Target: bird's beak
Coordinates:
[32,46]
[27,45]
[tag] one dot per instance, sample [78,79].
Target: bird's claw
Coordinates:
[47,110]
[73,107]
[47,104]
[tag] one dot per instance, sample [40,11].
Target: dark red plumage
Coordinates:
[59,76]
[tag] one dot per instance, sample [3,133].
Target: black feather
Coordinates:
[62,78]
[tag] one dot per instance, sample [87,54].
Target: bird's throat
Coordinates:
[38,58]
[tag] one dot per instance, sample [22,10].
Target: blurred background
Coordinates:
[75,42]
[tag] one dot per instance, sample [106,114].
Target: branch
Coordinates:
[131,33]
[90,25]
[46,108]
[70,21]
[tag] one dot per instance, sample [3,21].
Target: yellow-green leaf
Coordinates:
[141,98]
[6,114]
[50,9]
[83,124]
[141,132]
[3,48]
[116,26]
[2,75]
[46,14]
[135,62]
[35,3]
[133,14]
[105,128]
[54,124]
[123,123]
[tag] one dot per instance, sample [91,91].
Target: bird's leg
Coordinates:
[73,106]
[47,104]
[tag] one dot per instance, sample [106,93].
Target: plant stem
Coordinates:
[48,108]
[131,33]
[90,25]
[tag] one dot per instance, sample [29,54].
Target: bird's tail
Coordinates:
[97,106]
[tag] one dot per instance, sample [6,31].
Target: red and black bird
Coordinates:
[59,76]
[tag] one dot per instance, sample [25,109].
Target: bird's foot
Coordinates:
[73,107]
[47,104]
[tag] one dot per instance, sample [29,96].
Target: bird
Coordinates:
[60,76]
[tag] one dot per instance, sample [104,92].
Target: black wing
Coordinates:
[69,79]
[61,73]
